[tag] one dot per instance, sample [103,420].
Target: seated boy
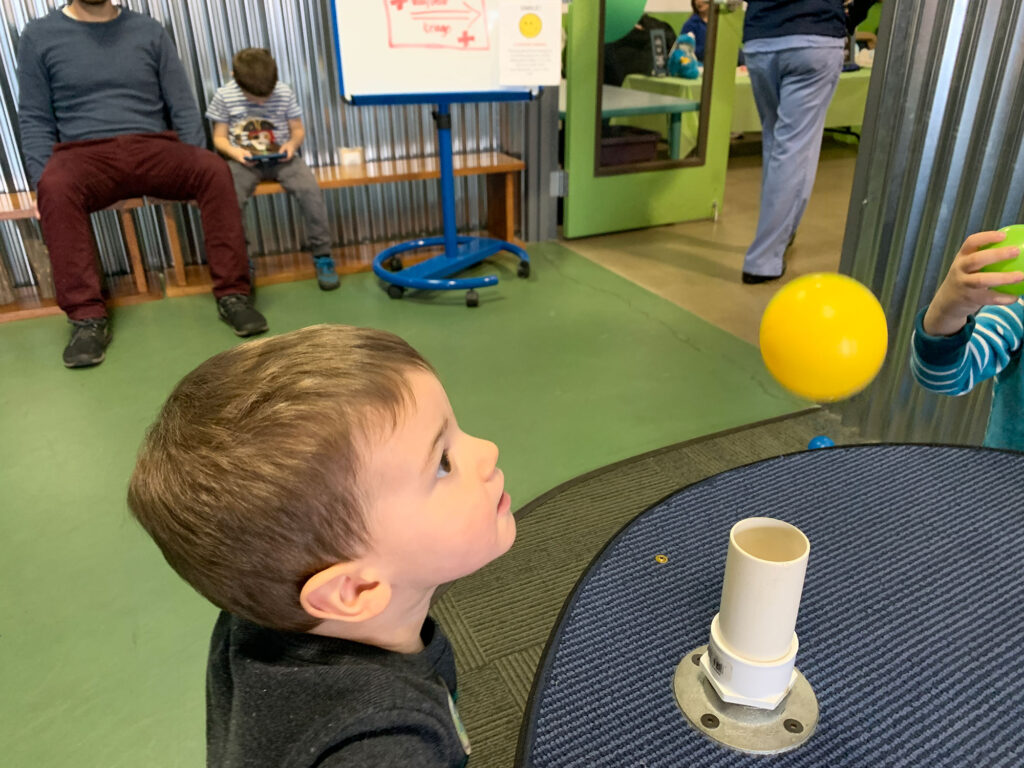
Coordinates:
[255,118]
[316,487]
[970,333]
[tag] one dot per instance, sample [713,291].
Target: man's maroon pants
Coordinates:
[86,176]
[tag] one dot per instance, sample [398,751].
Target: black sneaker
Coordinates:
[752,279]
[236,310]
[89,339]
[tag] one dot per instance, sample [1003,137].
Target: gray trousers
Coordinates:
[792,90]
[295,177]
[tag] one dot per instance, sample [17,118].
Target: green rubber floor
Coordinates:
[102,647]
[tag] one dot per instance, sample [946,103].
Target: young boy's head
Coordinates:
[255,71]
[318,476]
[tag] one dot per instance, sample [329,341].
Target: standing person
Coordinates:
[106,113]
[794,52]
[256,115]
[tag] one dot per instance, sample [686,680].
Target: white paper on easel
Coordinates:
[529,41]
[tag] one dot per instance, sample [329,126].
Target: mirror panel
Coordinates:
[654,93]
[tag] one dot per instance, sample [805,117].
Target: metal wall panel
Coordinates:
[941,157]
[298,33]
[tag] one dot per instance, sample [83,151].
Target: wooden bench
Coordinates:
[502,209]
[130,290]
[500,169]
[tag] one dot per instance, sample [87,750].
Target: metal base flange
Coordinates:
[746,729]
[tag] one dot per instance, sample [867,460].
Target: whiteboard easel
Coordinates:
[440,52]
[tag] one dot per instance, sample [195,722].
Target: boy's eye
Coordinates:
[445,467]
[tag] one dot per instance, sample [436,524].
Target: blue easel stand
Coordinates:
[460,251]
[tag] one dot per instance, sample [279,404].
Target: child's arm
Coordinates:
[966,289]
[223,144]
[298,131]
[953,351]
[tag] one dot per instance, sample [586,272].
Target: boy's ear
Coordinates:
[345,592]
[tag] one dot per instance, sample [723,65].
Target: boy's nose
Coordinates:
[488,457]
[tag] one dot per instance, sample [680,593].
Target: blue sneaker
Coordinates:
[326,275]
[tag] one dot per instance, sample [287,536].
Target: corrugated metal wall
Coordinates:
[298,33]
[942,157]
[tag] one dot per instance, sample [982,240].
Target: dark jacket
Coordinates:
[632,54]
[778,18]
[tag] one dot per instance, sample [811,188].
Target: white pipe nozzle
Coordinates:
[753,645]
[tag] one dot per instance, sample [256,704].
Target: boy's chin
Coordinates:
[507,537]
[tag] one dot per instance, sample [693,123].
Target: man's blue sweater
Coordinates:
[92,80]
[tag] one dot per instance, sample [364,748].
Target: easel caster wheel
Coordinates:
[472,298]
[395,264]
[524,269]
[396,291]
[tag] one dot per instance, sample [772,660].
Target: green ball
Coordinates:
[620,16]
[1014,236]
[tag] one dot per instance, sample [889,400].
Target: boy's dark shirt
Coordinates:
[287,700]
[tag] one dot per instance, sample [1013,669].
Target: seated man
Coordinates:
[106,113]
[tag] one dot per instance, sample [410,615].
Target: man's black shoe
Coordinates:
[89,339]
[236,310]
[752,279]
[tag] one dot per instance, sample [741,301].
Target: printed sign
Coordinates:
[529,42]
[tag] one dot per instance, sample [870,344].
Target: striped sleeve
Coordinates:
[292,109]
[217,109]
[953,365]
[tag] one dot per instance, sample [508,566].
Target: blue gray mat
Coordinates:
[910,624]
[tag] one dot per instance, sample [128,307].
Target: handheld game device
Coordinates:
[269,158]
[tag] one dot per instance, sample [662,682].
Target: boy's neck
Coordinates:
[397,629]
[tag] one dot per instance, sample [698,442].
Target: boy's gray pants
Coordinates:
[295,177]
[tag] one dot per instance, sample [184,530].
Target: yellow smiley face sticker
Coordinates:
[529,25]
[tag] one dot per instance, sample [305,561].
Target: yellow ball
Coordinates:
[824,336]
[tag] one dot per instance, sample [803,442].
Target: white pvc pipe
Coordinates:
[764,578]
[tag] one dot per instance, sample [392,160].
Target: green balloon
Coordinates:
[620,16]
[1014,236]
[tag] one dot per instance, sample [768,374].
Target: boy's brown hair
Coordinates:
[249,479]
[255,71]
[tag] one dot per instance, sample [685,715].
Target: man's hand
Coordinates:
[289,150]
[966,289]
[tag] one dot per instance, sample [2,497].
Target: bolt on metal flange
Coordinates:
[745,729]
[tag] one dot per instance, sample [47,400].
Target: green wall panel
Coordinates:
[597,204]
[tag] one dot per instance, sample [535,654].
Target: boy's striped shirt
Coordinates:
[261,128]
